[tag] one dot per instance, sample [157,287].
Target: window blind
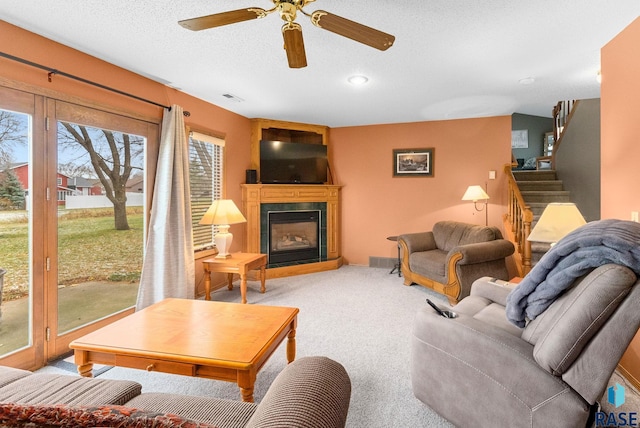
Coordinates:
[205,176]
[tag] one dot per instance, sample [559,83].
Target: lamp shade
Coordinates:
[474,193]
[556,221]
[223,211]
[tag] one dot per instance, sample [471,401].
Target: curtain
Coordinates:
[168,269]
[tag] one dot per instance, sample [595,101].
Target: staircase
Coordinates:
[538,188]
[529,192]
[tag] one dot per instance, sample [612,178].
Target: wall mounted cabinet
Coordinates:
[277,130]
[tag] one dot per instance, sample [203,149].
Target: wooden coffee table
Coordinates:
[240,263]
[215,340]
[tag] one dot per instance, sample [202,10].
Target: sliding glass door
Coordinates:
[98,208]
[73,198]
[21,304]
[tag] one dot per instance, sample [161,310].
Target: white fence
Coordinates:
[99,201]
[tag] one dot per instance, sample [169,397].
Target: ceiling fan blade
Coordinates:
[352,30]
[294,45]
[224,18]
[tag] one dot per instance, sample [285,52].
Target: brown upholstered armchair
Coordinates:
[452,256]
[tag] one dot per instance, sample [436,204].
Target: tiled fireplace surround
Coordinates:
[259,199]
[294,206]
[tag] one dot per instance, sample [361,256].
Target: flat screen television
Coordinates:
[292,163]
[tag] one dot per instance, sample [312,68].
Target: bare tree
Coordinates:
[201,163]
[72,169]
[110,156]
[12,133]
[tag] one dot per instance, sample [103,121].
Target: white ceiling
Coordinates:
[451,59]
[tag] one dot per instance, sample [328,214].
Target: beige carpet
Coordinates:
[358,316]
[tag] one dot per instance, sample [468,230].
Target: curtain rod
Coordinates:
[53,71]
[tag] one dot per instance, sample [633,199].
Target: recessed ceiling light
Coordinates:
[358,79]
[526,81]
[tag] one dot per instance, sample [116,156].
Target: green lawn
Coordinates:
[89,249]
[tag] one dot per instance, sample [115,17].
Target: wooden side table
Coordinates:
[240,263]
[398,265]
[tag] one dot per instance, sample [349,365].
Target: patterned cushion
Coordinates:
[216,411]
[33,415]
[46,388]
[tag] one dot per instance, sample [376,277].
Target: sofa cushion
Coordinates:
[450,234]
[487,311]
[36,415]
[64,389]
[220,412]
[9,374]
[431,264]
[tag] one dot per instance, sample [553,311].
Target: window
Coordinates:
[205,176]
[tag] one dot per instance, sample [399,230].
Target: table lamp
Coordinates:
[223,213]
[475,193]
[556,221]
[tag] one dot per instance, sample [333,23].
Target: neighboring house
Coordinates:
[85,186]
[135,184]
[64,185]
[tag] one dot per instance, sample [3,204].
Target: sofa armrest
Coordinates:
[420,241]
[492,289]
[463,378]
[310,392]
[483,251]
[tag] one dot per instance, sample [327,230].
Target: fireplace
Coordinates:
[258,200]
[293,236]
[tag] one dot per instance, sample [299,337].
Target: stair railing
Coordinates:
[562,113]
[519,218]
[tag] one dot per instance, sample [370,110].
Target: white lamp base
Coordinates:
[223,241]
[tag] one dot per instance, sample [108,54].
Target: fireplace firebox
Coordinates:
[294,236]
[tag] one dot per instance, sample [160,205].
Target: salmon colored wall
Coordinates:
[620,151]
[205,117]
[620,127]
[375,204]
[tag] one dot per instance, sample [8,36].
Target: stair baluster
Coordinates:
[519,218]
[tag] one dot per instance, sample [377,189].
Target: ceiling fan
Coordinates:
[292,31]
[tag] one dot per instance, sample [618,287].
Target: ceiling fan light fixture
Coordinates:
[287,11]
[358,79]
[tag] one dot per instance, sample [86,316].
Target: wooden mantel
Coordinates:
[253,195]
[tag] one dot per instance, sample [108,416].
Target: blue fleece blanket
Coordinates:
[592,245]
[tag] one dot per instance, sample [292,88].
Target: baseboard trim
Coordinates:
[629,377]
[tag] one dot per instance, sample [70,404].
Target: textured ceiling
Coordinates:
[451,59]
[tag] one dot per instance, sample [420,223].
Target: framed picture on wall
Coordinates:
[520,139]
[413,162]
